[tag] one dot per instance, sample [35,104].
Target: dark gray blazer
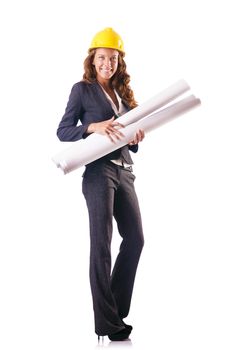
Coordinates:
[88,104]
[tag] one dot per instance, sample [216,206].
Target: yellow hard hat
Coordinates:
[107,38]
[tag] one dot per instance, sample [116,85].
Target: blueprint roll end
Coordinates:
[62,165]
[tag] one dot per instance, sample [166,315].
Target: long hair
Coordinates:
[120,80]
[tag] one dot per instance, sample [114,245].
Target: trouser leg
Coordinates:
[99,191]
[127,215]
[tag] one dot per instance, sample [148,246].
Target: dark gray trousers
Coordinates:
[109,192]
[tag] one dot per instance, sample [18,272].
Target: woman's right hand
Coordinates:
[108,127]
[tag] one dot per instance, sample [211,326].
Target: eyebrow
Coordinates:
[102,54]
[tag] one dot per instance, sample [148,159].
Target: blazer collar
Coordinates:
[99,91]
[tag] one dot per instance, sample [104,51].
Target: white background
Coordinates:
[182,295]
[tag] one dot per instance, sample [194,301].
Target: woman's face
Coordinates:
[106,63]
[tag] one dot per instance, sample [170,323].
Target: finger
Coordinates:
[118,136]
[136,138]
[115,131]
[132,142]
[142,133]
[113,135]
[111,138]
[109,135]
[119,133]
[140,136]
[118,124]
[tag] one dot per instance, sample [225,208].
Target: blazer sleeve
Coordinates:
[133,148]
[68,129]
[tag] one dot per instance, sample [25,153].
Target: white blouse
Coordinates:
[118,112]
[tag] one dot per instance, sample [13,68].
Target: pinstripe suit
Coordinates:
[109,193]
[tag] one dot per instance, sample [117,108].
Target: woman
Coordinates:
[108,183]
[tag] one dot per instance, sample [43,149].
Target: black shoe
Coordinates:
[129,327]
[121,335]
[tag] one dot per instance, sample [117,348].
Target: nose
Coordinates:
[108,62]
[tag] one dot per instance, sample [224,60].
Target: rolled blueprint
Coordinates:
[86,151]
[165,115]
[154,103]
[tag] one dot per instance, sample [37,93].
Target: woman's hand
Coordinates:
[139,136]
[107,127]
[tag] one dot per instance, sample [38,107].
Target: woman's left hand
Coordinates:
[139,136]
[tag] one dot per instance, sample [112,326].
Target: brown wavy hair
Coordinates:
[120,80]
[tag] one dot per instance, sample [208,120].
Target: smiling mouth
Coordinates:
[106,70]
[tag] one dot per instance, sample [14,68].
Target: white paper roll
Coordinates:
[85,151]
[167,114]
[154,103]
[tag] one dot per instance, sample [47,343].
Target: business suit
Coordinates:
[109,192]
